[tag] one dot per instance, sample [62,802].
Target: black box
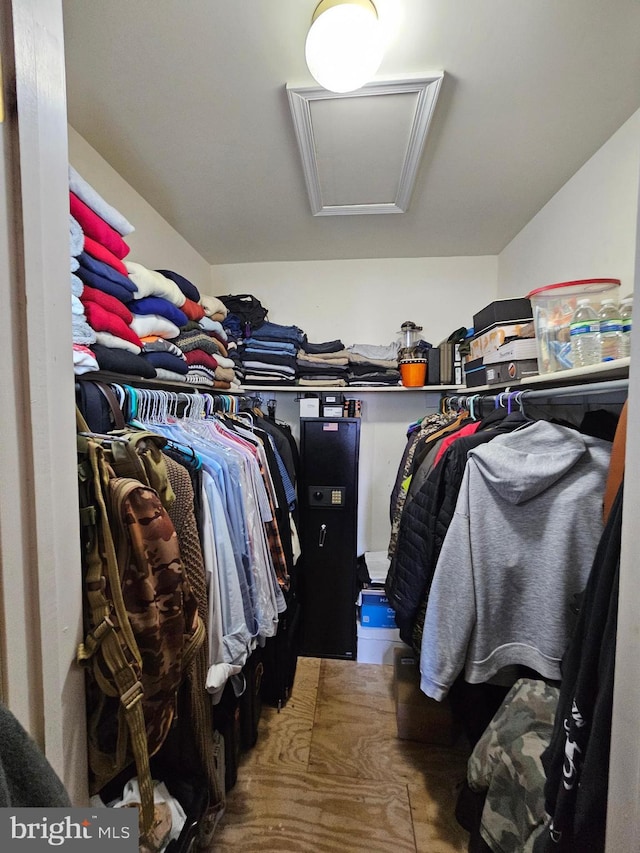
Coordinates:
[433,366]
[331,398]
[511,371]
[475,373]
[502,311]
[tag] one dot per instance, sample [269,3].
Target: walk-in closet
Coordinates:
[318,506]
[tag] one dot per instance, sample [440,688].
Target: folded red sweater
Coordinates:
[106,301]
[102,321]
[96,228]
[101,253]
[198,356]
[192,310]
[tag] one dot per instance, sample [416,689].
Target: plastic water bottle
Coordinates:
[626,307]
[584,333]
[610,330]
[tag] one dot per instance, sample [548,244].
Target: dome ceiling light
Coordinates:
[345,44]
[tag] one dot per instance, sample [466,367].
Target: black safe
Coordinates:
[328,533]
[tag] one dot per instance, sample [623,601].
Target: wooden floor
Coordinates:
[329,774]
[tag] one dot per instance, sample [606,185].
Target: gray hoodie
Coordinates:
[520,546]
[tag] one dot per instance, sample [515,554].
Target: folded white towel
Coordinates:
[94,200]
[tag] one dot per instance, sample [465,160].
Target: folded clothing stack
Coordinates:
[269,354]
[206,358]
[373,365]
[323,363]
[101,284]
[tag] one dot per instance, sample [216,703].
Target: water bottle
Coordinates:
[584,335]
[626,307]
[610,330]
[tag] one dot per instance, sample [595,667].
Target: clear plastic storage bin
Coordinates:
[553,307]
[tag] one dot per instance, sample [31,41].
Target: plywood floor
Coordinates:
[329,774]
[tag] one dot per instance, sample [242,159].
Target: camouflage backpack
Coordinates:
[142,627]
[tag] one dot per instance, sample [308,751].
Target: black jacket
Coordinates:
[425,521]
[576,762]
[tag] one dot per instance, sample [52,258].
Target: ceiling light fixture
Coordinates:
[344,45]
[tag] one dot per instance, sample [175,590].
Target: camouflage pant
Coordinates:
[506,763]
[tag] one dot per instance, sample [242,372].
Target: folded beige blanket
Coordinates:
[152,283]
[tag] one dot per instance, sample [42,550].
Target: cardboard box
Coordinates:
[502,311]
[417,716]
[492,338]
[377,645]
[374,609]
[511,371]
[309,407]
[332,411]
[515,350]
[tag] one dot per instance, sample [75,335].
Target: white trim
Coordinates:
[44,399]
[427,89]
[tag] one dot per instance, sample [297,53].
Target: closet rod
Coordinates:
[614,387]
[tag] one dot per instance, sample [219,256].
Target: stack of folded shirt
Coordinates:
[83,335]
[269,355]
[168,360]
[206,358]
[323,363]
[373,365]
[105,289]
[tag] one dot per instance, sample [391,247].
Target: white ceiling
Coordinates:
[186,100]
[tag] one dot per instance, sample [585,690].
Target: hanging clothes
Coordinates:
[426,516]
[519,547]
[576,762]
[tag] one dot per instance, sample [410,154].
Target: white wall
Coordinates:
[366,301]
[154,243]
[588,229]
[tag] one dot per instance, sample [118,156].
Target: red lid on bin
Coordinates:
[583,283]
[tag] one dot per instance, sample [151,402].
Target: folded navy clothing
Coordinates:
[122,361]
[189,289]
[106,271]
[257,352]
[327,346]
[275,332]
[256,343]
[161,306]
[233,326]
[167,361]
[106,285]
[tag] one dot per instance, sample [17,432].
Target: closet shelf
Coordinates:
[142,382]
[349,389]
[618,369]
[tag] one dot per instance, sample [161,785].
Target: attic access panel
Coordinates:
[361,150]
